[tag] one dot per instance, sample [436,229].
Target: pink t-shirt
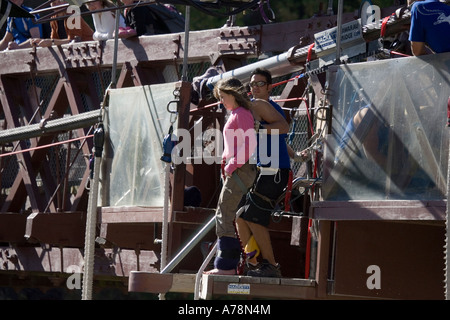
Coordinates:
[239,139]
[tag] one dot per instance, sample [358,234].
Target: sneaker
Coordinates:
[250,267]
[266,269]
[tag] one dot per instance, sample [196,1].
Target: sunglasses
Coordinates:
[257,83]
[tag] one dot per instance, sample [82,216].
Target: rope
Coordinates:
[91,218]
[45,146]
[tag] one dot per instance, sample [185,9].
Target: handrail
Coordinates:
[187,248]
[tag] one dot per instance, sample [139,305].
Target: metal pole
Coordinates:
[68,123]
[278,65]
[211,223]
[447,213]
[447,226]
[186,42]
[339,31]
[116,45]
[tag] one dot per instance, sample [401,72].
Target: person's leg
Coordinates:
[262,237]
[229,247]
[245,235]
[227,256]
[257,217]
[268,266]
[243,230]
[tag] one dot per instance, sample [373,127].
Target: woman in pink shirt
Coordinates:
[239,138]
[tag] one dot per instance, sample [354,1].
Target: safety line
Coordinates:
[45,146]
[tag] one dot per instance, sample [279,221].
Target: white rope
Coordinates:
[165,220]
[89,245]
[165,215]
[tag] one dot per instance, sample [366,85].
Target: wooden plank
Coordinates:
[277,288]
[263,280]
[323,258]
[150,282]
[65,229]
[130,214]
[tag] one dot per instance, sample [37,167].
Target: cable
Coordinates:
[45,146]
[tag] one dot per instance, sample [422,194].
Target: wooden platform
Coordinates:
[217,285]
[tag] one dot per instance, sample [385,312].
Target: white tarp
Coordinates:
[137,121]
[400,148]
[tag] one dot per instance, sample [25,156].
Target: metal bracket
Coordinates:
[83,54]
[239,41]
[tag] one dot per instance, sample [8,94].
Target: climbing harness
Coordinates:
[169,140]
[168,145]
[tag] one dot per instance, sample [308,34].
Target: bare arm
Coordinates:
[264,111]
[6,39]
[44,43]
[34,32]
[418,48]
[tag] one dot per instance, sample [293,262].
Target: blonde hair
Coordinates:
[234,87]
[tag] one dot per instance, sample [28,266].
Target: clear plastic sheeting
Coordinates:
[137,120]
[389,137]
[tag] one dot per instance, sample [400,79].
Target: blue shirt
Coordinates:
[430,23]
[20,27]
[265,147]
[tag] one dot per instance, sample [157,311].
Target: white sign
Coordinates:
[238,288]
[326,40]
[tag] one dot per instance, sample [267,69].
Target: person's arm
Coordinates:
[45,43]
[6,39]
[417,35]
[34,33]
[263,110]
[418,48]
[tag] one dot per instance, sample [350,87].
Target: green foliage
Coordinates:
[285,10]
